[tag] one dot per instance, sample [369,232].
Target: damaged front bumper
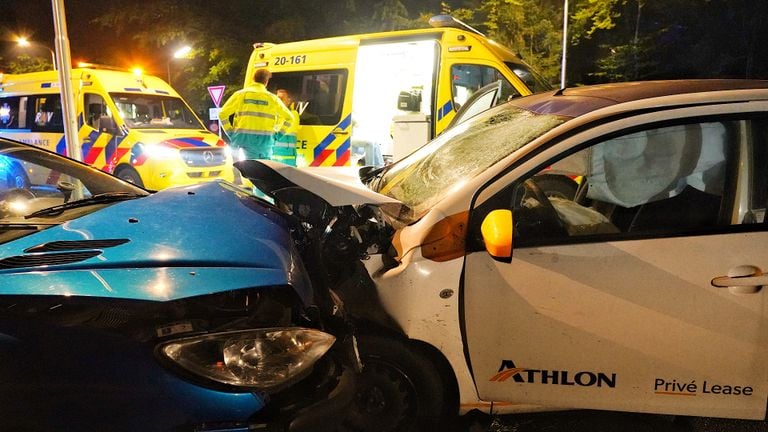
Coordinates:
[316,404]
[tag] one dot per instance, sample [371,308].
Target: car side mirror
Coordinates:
[496,230]
[107,124]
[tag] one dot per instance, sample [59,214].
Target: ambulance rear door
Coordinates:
[393,96]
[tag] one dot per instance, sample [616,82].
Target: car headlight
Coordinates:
[263,359]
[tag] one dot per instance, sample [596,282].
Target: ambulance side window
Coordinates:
[45,112]
[532,80]
[95,107]
[9,113]
[318,96]
[468,78]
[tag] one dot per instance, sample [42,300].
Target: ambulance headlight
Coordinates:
[227,151]
[239,154]
[264,359]
[159,151]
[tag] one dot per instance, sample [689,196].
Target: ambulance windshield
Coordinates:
[140,111]
[431,173]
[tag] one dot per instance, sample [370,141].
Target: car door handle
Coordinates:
[339,132]
[745,279]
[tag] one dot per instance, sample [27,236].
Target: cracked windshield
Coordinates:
[428,175]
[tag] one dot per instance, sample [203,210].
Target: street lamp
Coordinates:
[182,52]
[24,42]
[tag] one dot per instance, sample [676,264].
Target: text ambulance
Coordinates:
[380,96]
[134,126]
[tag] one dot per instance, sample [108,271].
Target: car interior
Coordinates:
[665,181]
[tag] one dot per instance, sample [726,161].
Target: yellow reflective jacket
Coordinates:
[257,116]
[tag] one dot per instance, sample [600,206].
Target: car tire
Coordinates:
[399,389]
[130,175]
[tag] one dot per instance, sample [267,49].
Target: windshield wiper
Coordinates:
[372,178]
[101,198]
[20,227]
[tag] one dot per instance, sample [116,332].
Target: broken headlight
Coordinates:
[263,359]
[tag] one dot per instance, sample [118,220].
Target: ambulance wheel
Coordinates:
[130,175]
[16,177]
[400,389]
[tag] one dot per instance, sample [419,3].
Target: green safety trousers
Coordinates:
[284,149]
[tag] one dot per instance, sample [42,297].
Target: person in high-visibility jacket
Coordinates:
[285,139]
[257,116]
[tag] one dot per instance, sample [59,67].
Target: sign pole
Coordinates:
[565,44]
[217,93]
[68,107]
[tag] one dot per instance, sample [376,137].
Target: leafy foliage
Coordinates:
[222,36]
[25,63]
[532,28]
[608,40]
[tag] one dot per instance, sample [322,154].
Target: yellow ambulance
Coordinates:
[133,125]
[371,98]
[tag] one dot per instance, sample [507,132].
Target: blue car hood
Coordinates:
[177,243]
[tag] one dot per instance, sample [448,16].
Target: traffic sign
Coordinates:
[216,92]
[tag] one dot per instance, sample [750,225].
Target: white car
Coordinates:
[641,292]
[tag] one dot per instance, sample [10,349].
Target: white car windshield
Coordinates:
[461,153]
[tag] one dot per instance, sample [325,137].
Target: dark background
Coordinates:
[609,40]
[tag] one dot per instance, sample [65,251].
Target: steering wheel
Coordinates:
[539,220]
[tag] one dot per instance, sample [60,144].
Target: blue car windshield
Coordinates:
[33,180]
[429,174]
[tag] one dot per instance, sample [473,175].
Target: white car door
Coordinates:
[609,300]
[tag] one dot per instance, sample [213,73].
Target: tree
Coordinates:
[532,28]
[675,39]
[590,16]
[219,54]
[391,14]
[628,53]
[609,40]
[25,63]
[223,40]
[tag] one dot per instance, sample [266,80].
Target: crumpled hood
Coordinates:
[337,187]
[177,243]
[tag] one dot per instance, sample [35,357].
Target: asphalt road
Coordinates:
[600,421]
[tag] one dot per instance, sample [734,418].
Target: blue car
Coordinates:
[189,309]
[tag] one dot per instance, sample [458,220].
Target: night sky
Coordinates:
[34,19]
